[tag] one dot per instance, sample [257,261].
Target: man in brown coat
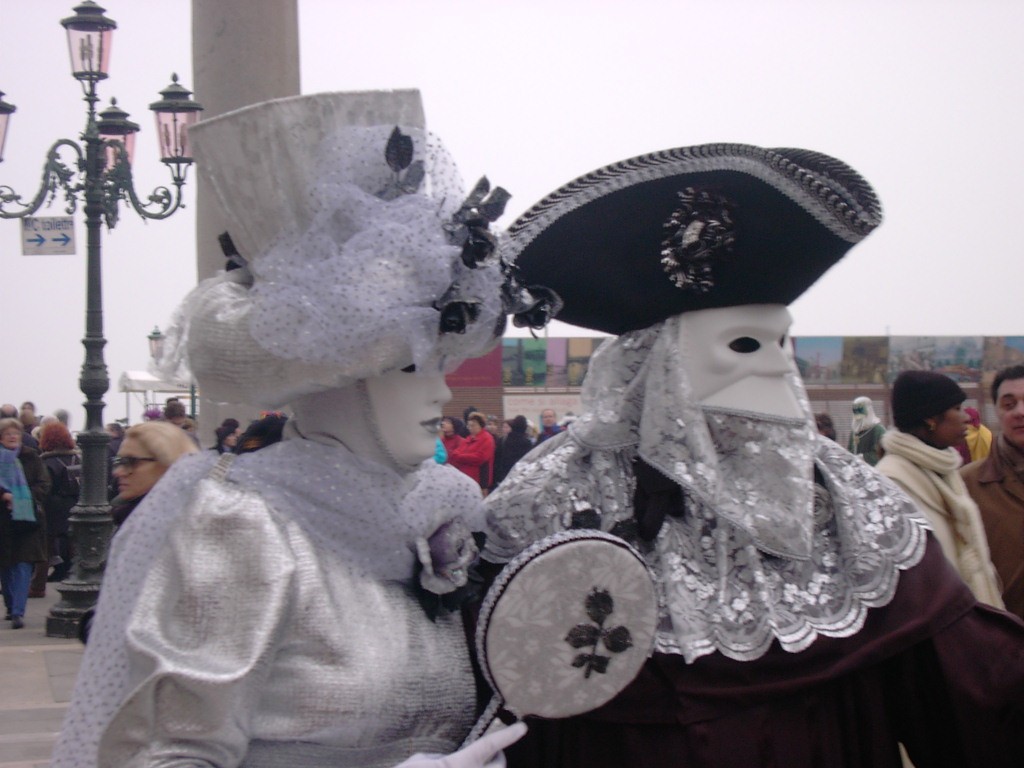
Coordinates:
[996,484]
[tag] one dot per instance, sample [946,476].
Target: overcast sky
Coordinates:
[923,97]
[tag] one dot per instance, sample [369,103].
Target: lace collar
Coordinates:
[721,586]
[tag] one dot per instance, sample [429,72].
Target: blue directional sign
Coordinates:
[47,235]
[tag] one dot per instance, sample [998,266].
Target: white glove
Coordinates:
[485,752]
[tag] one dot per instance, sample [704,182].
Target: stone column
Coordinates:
[243,52]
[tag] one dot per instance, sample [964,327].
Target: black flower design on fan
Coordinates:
[698,233]
[599,606]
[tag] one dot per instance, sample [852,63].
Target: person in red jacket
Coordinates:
[475,456]
[449,436]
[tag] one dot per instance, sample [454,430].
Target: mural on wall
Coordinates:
[911,353]
[563,362]
[557,362]
[1000,352]
[818,358]
[554,363]
[865,359]
[524,362]
[578,359]
[959,357]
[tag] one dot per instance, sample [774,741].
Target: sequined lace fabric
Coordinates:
[298,644]
[727,580]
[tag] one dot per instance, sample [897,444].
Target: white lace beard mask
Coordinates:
[737,358]
[768,466]
[638,391]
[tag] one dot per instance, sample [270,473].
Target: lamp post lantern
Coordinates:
[5,112]
[100,180]
[156,343]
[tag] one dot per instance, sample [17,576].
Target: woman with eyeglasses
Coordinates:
[147,452]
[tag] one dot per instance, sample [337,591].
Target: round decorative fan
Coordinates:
[567,625]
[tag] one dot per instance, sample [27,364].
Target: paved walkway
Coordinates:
[36,676]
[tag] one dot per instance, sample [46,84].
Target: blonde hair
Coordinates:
[11,423]
[165,441]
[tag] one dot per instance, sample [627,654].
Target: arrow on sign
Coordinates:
[38,239]
[63,239]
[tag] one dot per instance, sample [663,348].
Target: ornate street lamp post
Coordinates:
[101,179]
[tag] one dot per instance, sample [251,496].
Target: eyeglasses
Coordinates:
[129,462]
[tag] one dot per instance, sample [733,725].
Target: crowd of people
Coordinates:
[40,477]
[486,449]
[963,477]
[39,453]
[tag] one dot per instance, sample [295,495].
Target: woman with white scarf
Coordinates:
[921,457]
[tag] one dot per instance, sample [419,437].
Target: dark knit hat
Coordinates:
[919,395]
[717,225]
[518,424]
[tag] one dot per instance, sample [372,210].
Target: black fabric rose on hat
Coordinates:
[699,233]
[468,227]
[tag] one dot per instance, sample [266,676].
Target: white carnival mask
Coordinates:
[392,419]
[406,409]
[737,358]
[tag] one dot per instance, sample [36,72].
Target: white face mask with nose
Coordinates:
[737,358]
[392,419]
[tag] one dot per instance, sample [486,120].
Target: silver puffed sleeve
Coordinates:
[203,635]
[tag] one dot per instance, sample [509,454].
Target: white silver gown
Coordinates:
[262,621]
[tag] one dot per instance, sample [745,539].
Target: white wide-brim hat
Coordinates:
[348,216]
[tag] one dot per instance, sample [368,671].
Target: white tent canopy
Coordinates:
[143,381]
[146,386]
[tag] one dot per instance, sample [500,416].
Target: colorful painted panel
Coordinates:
[578,360]
[959,357]
[557,361]
[865,359]
[524,362]
[1002,352]
[819,357]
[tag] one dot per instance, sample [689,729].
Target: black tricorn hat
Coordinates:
[715,225]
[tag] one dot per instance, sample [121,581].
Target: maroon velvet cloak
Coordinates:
[934,670]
